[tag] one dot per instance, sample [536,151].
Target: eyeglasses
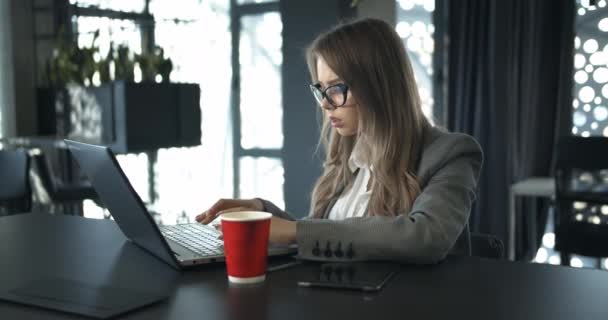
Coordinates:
[335,94]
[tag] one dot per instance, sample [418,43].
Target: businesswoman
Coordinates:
[393,187]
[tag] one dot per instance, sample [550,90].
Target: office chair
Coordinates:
[15,190]
[581,197]
[68,196]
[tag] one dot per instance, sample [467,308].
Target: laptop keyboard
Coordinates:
[196,237]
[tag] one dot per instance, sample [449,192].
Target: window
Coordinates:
[196,36]
[129,5]
[242,138]
[590,102]
[257,100]
[260,61]
[254,1]
[415,27]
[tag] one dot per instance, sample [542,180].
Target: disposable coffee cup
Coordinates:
[246,245]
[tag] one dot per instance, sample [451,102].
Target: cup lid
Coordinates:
[245,216]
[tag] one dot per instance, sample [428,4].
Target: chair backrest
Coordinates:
[58,190]
[15,191]
[582,195]
[43,170]
[582,153]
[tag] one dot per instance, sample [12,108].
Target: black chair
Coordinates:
[67,195]
[581,197]
[15,190]
[486,246]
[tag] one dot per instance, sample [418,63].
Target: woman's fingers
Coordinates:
[207,217]
[223,205]
[218,226]
[237,209]
[213,211]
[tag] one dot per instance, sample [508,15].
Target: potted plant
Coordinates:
[100,101]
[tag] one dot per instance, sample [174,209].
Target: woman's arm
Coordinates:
[425,235]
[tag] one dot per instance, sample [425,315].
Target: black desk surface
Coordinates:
[94,251]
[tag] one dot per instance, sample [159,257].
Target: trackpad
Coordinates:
[79,297]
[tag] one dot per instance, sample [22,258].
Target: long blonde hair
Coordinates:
[369,57]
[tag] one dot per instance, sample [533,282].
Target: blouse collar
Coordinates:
[359,158]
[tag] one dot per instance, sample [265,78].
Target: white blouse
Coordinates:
[353,202]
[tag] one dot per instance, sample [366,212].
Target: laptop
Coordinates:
[179,245]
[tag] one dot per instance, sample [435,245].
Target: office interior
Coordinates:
[209,99]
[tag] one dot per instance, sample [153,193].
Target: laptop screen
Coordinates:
[117,194]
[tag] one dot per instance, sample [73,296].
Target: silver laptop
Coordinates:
[180,245]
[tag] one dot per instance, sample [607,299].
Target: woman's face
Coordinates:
[345,119]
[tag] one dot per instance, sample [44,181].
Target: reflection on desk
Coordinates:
[458,288]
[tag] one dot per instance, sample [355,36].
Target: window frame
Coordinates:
[238,11]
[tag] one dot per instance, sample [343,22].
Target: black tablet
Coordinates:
[365,276]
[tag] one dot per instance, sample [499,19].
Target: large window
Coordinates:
[196,36]
[415,27]
[590,112]
[233,50]
[257,106]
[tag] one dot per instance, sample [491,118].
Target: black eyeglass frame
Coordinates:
[317,88]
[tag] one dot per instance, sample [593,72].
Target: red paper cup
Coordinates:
[246,245]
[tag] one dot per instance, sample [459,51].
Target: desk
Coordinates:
[458,288]
[532,187]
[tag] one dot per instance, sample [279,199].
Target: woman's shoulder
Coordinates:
[440,141]
[441,147]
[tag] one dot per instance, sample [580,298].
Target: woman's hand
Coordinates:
[282,231]
[229,205]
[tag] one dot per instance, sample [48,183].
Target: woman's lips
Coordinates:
[336,123]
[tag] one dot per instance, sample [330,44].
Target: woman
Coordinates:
[393,186]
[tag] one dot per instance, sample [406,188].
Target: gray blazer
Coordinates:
[436,225]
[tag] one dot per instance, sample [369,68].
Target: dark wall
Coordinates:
[302,22]
[32,33]
[24,67]
[7,99]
